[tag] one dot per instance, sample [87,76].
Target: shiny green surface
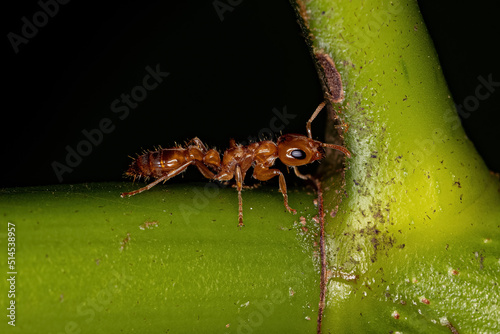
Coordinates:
[87,263]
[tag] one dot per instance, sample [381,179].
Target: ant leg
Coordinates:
[164,178]
[149,186]
[204,170]
[228,174]
[308,128]
[212,159]
[315,113]
[285,195]
[239,185]
[264,173]
[299,174]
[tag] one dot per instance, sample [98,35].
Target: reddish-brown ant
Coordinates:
[292,149]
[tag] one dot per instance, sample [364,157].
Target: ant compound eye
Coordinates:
[298,154]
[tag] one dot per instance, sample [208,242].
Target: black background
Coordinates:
[225,79]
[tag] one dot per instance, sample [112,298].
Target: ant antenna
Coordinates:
[309,133]
[338,148]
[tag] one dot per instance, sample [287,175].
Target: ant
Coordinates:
[292,149]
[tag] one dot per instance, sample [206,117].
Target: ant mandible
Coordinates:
[292,149]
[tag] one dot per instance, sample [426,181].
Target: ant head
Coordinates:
[298,150]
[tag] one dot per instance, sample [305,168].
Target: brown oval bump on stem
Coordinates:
[330,76]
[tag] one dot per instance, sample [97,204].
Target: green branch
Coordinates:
[169,260]
[414,243]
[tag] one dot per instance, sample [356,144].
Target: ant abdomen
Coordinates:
[157,163]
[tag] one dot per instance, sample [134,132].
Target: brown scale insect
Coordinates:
[292,149]
[331,77]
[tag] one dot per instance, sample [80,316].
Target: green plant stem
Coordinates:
[413,245]
[169,260]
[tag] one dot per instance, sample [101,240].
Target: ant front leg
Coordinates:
[302,176]
[315,113]
[263,173]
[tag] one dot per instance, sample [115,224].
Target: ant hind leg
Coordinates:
[163,178]
[149,186]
